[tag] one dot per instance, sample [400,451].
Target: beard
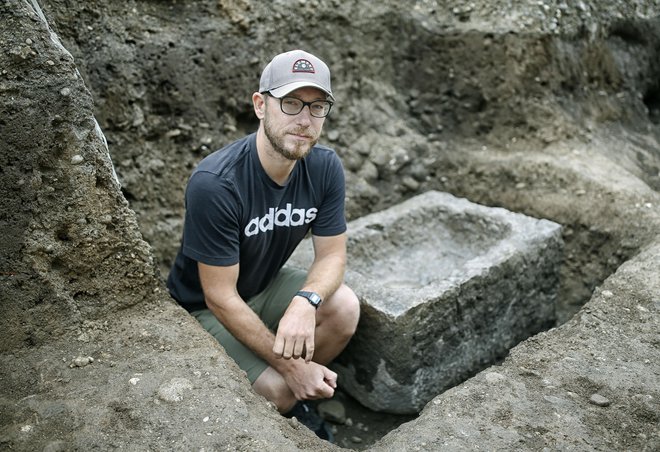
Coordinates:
[299,151]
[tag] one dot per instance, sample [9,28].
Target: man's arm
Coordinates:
[295,333]
[305,380]
[223,300]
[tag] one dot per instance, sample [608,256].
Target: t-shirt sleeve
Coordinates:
[331,218]
[211,231]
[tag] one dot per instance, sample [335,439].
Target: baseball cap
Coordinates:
[289,71]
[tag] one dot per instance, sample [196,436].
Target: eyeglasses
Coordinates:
[292,106]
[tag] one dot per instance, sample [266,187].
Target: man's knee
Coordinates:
[345,308]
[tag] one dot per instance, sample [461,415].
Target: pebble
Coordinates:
[333,135]
[599,400]
[410,183]
[81,361]
[173,133]
[77,159]
[332,411]
[607,294]
[356,439]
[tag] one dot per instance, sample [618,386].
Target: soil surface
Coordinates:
[548,108]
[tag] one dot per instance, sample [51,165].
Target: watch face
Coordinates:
[315,299]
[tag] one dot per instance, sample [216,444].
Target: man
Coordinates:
[248,206]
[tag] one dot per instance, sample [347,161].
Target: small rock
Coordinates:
[173,133]
[410,183]
[333,135]
[134,381]
[65,91]
[81,361]
[332,411]
[77,159]
[599,400]
[356,439]
[607,294]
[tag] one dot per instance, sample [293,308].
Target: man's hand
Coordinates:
[295,332]
[309,381]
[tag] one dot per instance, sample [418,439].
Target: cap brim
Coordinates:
[289,87]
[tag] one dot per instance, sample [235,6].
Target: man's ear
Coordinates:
[259,103]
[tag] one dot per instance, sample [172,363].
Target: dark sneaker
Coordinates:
[309,417]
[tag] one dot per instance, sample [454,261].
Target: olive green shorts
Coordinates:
[269,305]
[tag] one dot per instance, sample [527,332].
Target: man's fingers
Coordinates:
[298,349]
[309,351]
[330,378]
[278,347]
[287,353]
[327,391]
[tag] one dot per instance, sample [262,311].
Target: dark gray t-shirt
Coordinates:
[235,213]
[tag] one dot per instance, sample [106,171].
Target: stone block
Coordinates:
[446,287]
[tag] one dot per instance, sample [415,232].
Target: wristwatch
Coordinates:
[313,298]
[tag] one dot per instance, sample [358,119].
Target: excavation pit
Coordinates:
[447,287]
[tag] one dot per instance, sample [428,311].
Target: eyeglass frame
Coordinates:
[304,104]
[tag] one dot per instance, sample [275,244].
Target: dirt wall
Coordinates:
[414,82]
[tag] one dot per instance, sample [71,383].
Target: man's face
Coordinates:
[293,136]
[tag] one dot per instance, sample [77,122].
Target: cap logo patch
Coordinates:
[303,65]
